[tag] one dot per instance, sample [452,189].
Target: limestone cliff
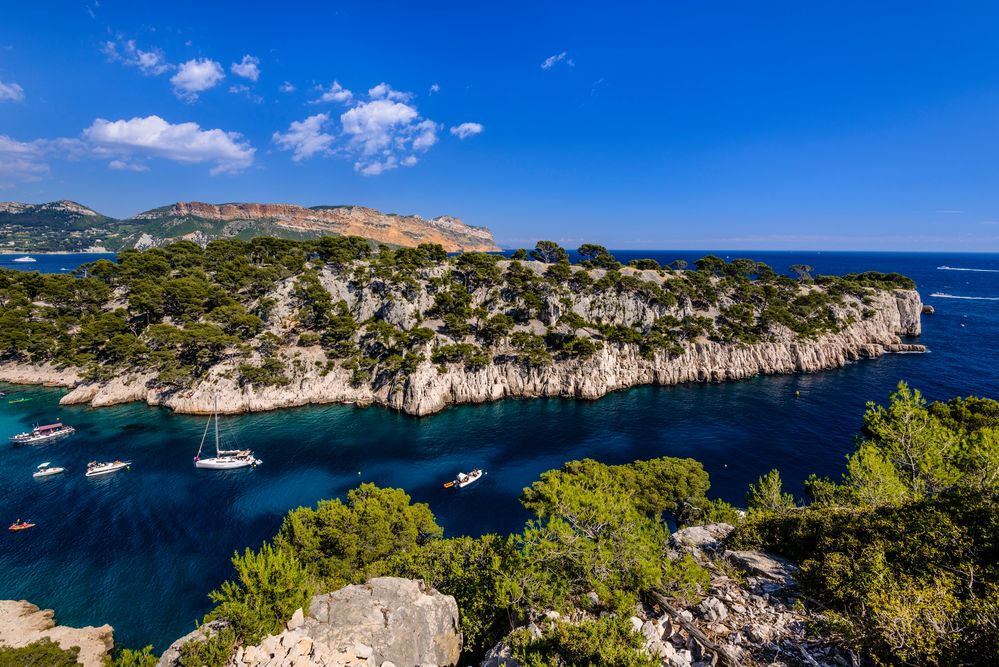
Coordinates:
[200,222]
[888,315]
[22,623]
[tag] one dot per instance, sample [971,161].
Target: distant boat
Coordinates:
[224,459]
[25,259]
[46,469]
[43,434]
[15,401]
[463,480]
[94,468]
[20,525]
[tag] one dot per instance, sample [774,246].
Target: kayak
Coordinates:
[21,526]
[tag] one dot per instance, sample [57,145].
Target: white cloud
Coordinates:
[551,61]
[196,76]
[335,93]
[247,68]
[380,134]
[287,87]
[466,130]
[182,142]
[123,165]
[383,91]
[150,63]
[11,92]
[305,138]
[20,161]
[435,88]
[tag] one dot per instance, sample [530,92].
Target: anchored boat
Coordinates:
[224,459]
[463,480]
[94,468]
[43,434]
[46,469]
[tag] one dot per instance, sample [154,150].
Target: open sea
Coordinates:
[141,549]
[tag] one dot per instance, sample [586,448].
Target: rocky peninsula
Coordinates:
[272,324]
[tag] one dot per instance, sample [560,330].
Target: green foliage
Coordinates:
[269,586]
[549,252]
[215,651]
[472,356]
[604,642]
[767,495]
[43,653]
[339,541]
[127,657]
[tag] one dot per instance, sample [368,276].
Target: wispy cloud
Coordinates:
[383,91]
[435,88]
[563,57]
[466,130]
[305,138]
[20,162]
[150,62]
[287,87]
[334,93]
[248,68]
[11,92]
[196,76]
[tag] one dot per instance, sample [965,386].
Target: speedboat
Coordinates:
[463,480]
[94,468]
[43,434]
[26,258]
[46,469]
[20,525]
[224,459]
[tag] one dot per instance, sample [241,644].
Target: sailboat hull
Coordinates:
[224,463]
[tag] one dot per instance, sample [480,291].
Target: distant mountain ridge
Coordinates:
[69,226]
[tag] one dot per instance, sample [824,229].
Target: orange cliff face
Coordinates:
[403,230]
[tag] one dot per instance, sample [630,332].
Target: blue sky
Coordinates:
[784,125]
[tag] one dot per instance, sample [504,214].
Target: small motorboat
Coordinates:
[20,525]
[26,258]
[463,480]
[46,469]
[43,434]
[94,468]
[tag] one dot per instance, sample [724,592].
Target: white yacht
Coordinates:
[94,468]
[224,459]
[25,259]
[46,469]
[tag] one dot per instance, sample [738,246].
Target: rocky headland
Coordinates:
[420,339]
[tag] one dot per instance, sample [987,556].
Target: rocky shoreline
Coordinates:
[429,390]
[432,388]
[22,623]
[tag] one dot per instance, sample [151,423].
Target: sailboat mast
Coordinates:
[216,427]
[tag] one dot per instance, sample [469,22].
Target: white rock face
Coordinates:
[428,390]
[22,623]
[387,621]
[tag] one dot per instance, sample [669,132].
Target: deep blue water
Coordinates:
[140,550]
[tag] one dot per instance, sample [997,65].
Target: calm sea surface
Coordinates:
[141,549]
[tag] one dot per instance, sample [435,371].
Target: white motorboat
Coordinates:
[46,469]
[43,434]
[224,459]
[463,480]
[94,468]
[25,259]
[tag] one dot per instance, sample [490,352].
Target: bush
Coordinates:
[43,653]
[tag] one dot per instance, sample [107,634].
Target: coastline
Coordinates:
[429,390]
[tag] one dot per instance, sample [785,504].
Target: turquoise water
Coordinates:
[141,549]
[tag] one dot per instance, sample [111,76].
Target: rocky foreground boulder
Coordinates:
[386,622]
[22,623]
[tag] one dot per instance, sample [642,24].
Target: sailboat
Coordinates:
[224,459]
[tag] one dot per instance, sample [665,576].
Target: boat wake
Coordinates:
[941,295]
[957,268]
